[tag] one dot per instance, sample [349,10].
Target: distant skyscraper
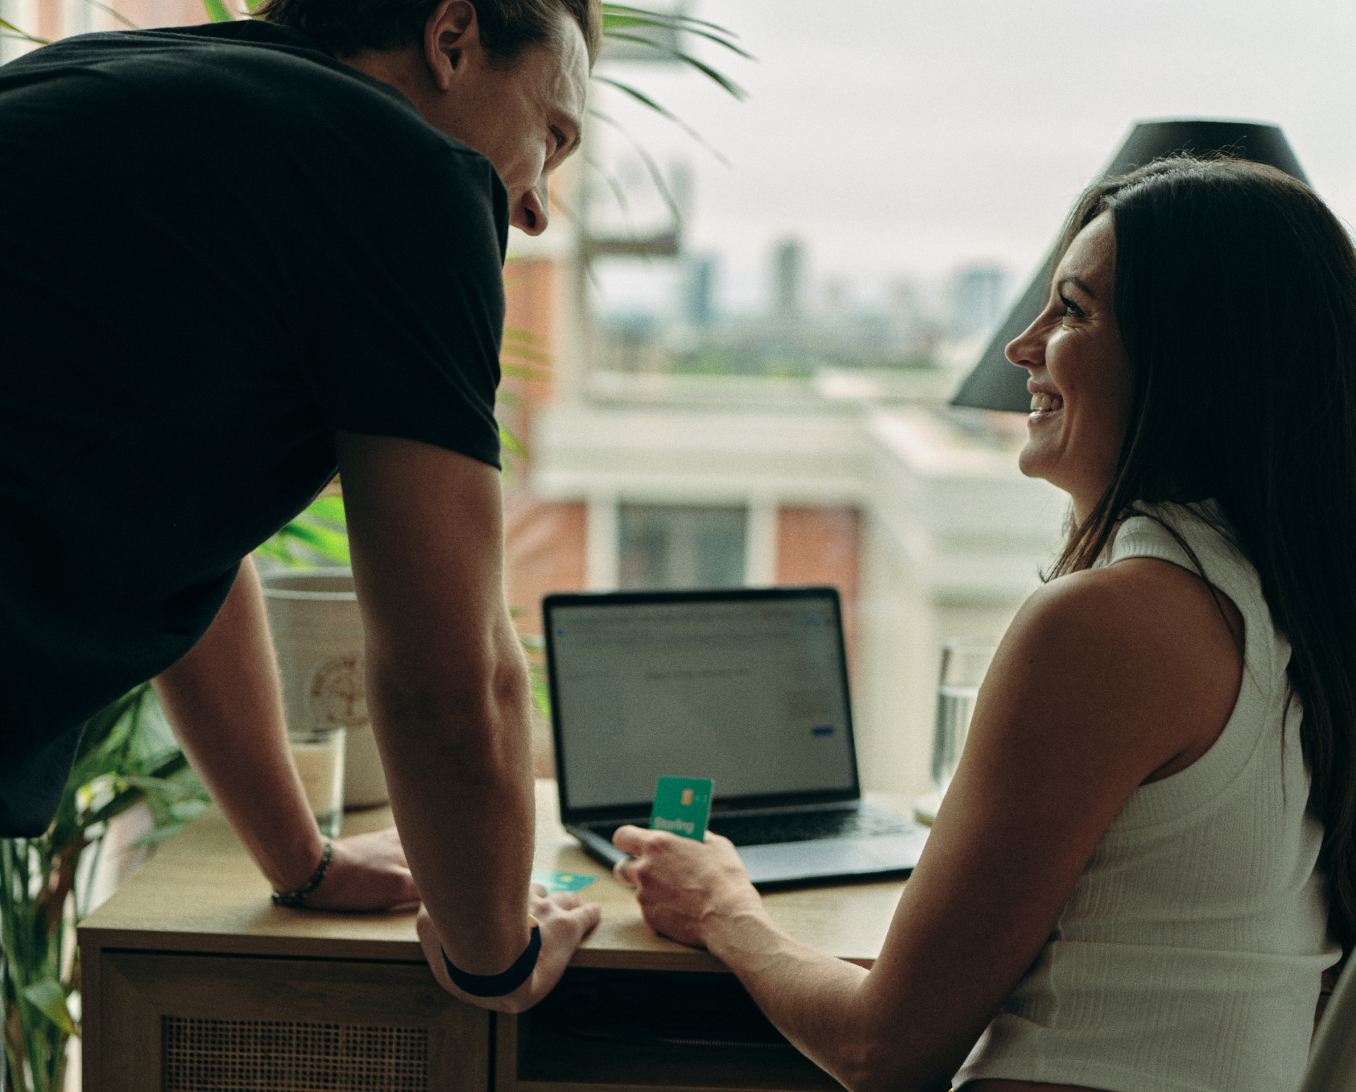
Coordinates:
[978,298]
[788,278]
[837,298]
[699,291]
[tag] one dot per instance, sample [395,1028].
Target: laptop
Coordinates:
[747,687]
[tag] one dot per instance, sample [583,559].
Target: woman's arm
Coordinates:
[1105,679]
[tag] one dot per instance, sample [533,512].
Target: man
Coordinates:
[232,259]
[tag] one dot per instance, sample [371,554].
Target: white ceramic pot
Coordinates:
[318,635]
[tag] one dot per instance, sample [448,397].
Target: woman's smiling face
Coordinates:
[1079,377]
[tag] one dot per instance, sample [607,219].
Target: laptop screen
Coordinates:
[747,687]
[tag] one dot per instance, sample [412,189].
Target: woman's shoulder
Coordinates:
[1169,567]
[1140,609]
[1143,597]
[1143,643]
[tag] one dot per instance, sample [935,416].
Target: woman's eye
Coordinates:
[558,137]
[1070,309]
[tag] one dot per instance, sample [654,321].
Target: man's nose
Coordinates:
[531,216]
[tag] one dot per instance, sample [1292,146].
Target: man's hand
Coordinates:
[367,872]
[564,923]
[683,885]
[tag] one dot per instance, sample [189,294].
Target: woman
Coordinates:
[1147,857]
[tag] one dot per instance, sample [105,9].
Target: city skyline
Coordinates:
[908,141]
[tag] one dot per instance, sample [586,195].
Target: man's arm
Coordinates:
[447,690]
[224,704]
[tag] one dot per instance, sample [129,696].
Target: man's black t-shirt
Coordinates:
[218,247]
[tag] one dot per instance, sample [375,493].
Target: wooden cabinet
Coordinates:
[676,1031]
[188,1023]
[192,981]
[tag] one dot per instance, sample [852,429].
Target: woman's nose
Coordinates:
[1027,349]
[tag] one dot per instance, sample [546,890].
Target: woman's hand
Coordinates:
[367,872]
[684,886]
[564,922]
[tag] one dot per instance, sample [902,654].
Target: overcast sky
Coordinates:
[896,136]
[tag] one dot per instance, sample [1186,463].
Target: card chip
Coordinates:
[686,799]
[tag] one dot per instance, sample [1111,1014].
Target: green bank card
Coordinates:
[561,881]
[682,806]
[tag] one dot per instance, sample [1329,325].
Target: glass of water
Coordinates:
[318,754]
[964,664]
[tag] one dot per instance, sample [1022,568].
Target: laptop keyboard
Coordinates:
[759,830]
[773,829]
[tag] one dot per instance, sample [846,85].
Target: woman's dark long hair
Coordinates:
[1235,291]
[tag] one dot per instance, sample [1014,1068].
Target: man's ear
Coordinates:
[452,30]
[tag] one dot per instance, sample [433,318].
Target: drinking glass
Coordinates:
[964,664]
[318,754]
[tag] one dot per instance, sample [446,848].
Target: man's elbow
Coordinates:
[475,698]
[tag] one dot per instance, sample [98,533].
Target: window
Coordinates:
[681,546]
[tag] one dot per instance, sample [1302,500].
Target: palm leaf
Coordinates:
[22,35]
[113,13]
[521,352]
[509,442]
[48,998]
[328,541]
[621,31]
[217,11]
[647,160]
[327,508]
[664,112]
[615,12]
[719,78]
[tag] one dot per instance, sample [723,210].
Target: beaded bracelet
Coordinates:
[297,896]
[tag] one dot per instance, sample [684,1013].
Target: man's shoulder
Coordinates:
[251,105]
[243,89]
[261,68]
[210,41]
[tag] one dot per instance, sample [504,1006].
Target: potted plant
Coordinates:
[126,758]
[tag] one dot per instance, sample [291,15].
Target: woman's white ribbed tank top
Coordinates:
[1190,954]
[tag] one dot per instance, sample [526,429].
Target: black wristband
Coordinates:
[297,896]
[497,985]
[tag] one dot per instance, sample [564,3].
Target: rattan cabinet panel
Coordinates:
[190,1023]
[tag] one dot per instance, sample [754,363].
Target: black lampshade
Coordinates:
[994,383]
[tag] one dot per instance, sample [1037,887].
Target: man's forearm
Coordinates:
[225,706]
[447,689]
[459,766]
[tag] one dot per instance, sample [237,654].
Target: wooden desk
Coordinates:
[192,979]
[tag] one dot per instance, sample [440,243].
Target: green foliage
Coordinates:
[126,758]
[534,648]
[315,536]
[622,21]
[218,12]
[9,30]
[659,31]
